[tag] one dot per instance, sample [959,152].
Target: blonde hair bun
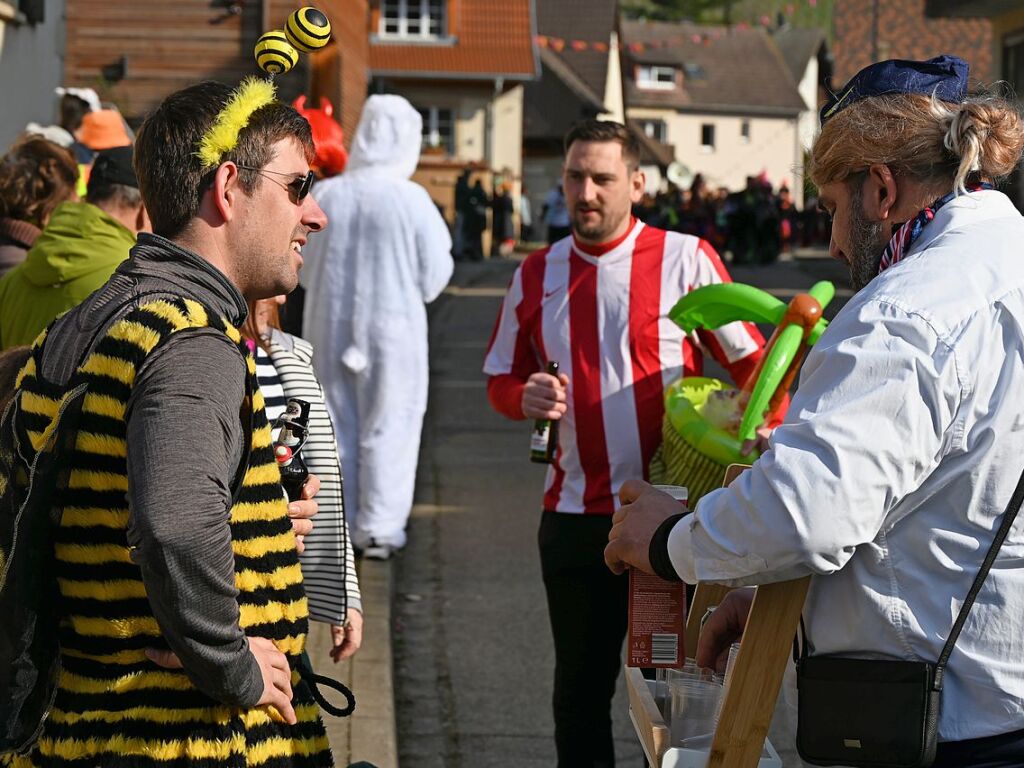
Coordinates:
[986,134]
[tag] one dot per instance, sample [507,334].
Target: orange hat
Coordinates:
[103,129]
[328,137]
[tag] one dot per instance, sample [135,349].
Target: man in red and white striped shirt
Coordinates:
[597,303]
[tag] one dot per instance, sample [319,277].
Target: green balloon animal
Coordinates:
[695,451]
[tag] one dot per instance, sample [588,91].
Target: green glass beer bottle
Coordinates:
[544,438]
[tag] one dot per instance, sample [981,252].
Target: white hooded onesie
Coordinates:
[386,252]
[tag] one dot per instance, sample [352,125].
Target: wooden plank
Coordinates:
[146,14]
[135,47]
[651,726]
[753,685]
[113,32]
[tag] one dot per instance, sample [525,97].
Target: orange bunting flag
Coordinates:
[579,45]
[558,44]
[542,41]
[602,47]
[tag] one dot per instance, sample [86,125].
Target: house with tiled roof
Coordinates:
[581,76]
[462,64]
[137,53]
[723,97]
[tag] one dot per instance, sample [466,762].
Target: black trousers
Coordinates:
[588,605]
[1003,751]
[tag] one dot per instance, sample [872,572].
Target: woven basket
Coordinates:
[679,463]
[693,452]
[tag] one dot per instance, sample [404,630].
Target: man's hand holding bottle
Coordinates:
[545,396]
[303,510]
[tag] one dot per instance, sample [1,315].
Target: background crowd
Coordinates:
[753,225]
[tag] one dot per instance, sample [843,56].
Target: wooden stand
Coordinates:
[753,685]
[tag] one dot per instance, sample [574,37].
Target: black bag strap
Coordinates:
[1004,529]
[314,681]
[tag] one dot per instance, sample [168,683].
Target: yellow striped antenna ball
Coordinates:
[274,54]
[308,29]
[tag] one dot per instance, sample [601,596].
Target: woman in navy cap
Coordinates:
[888,481]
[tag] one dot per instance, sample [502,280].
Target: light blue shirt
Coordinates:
[889,477]
[557,214]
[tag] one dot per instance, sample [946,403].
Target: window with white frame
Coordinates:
[438,128]
[707,137]
[655,129]
[745,131]
[656,77]
[418,19]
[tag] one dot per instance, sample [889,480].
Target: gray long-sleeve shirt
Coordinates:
[185,441]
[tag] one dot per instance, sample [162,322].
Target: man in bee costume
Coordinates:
[181,606]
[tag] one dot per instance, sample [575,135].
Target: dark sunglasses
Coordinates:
[298,188]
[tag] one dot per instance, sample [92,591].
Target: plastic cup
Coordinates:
[688,673]
[694,709]
[734,651]
[661,697]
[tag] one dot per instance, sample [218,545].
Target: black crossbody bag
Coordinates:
[879,713]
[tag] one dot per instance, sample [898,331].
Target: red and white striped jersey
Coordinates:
[602,314]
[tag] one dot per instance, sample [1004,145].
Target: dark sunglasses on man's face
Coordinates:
[298,188]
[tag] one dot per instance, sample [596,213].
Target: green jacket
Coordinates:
[76,254]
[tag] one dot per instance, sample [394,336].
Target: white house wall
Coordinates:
[507,149]
[31,66]
[470,129]
[808,121]
[470,107]
[773,147]
[613,99]
[809,93]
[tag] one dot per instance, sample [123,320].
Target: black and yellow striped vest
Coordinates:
[113,706]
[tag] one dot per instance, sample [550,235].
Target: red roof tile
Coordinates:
[488,39]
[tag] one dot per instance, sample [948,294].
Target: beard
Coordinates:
[597,232]
[267,272]
[867,242]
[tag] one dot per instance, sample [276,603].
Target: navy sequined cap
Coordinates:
[945,76]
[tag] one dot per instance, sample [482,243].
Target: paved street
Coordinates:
[473,654]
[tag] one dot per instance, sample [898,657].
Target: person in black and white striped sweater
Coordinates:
[284,368]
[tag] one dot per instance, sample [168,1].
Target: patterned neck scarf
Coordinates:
[908,233]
